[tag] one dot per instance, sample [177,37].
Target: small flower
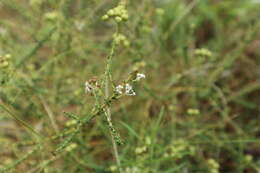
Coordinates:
[119,89]
[126,89]
[88,87]
[118,19]
[105,17]
[91,85]
[124,16]
[139,76]
[126,43]
[129,90]
[111,12]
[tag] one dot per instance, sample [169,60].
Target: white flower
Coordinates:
[139,76]
[126,89]
[88,87]
[119,89]
[129,90]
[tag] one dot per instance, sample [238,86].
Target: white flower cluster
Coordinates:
[139,76]
[88,87]
[91,85]
[127,89]
[119,89]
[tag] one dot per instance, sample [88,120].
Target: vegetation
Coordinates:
[129,86]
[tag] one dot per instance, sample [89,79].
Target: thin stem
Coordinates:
[109,120]
[108,80]
[50,114]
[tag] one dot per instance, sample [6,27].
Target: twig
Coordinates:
[50,114]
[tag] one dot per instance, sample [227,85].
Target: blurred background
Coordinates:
[197,111]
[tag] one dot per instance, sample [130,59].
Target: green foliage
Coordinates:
[73,98]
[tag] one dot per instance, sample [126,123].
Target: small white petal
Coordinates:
[129,90]
[139,76]
[119,89]
[88,87]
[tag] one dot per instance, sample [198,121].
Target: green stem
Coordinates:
[108,80]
